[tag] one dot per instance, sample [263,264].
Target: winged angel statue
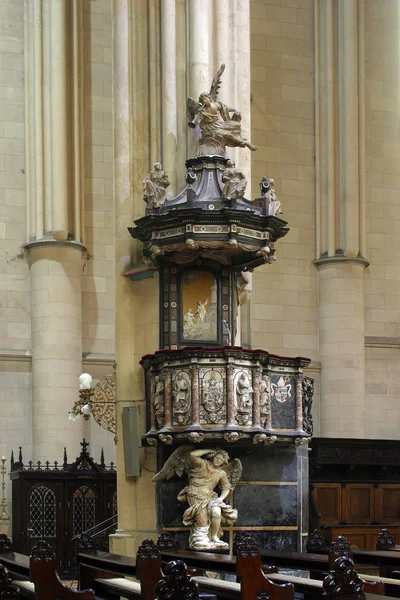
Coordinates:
[206,470]
[219,128]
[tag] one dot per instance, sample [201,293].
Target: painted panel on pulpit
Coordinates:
[199,307]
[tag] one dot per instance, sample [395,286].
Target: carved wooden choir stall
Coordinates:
[356,488]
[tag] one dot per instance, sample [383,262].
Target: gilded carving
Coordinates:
[103,403]
[206,470]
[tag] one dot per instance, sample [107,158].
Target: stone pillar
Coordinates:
[342,354]
[340,187]
[54,189]
[55,271]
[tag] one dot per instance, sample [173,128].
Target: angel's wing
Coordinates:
[234,471]
[176,464]
[216,83]
[192,108]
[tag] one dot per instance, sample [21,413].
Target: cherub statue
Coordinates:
[267,187]
[235,182]
[206,469]
[155,185]
[219,128]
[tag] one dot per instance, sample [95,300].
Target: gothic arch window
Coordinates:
[42,512]
[83,509]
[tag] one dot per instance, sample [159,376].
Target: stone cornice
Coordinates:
[51,242]
[87,357]
[340,259]
[373,341]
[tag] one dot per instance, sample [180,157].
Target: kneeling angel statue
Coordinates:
[206,470]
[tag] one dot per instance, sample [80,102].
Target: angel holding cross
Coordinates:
[220,125]
[206,469]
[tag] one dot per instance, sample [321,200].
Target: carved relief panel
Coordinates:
[181,398]
[213,394]
[283,401]
[243,397]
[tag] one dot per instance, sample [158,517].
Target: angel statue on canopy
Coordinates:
[206,470]
[219,128]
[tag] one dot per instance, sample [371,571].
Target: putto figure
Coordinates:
[220,125]
[155,185]
[206,469]
[235,182]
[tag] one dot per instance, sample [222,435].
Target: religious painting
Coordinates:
[199,306]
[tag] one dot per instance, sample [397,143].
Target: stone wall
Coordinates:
[98,298]
[284,302]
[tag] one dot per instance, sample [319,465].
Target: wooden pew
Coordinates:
[176,583]
[44,576]
[340,581]
[8,589]
[254,585]
[147,571]
[17,566]
[36,576]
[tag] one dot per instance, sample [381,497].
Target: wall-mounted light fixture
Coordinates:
[98,401]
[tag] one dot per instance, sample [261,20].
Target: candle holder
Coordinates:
[4,516]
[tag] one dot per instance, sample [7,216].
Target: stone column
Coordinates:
[54,249]
[340,190]
[55,271]
[342,354]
